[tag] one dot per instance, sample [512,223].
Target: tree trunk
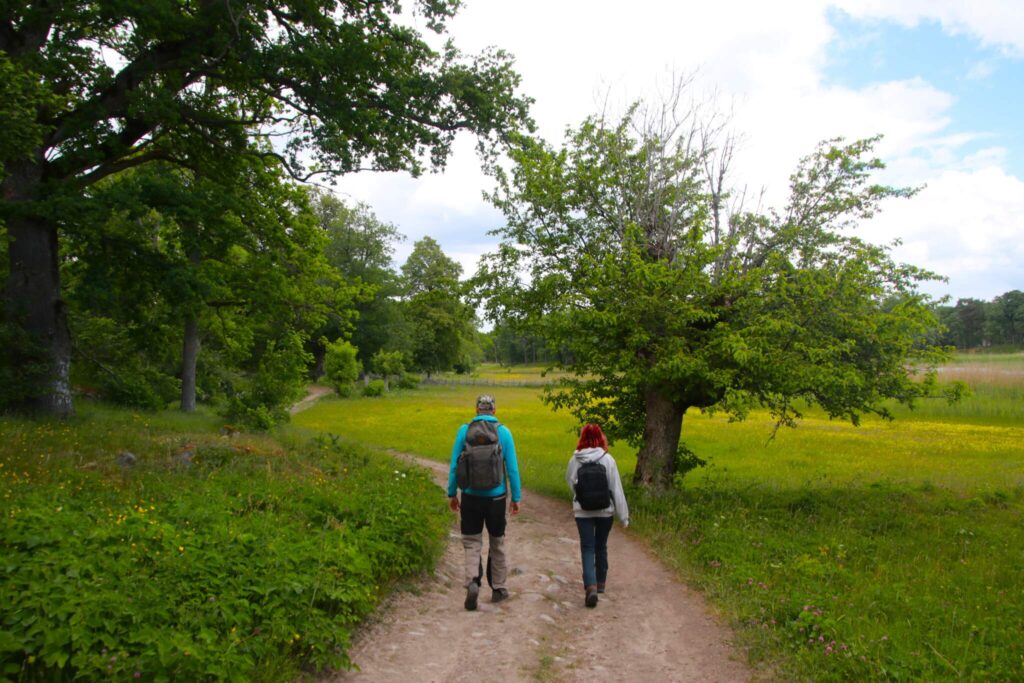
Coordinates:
[319,356]
[189,358]
[656,460]
[33,288]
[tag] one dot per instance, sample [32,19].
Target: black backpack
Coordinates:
[592,485]
[480,465]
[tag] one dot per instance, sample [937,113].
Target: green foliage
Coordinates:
[389,363]
[617,254]
[113,367]
[972,323]
[374,387]
[442,323]
[686,461]
[21,94]
[255,562]
[90,90]
[408,380]
[24,368]
[320,50]
[261,400]
[234,249]
[359,247]
[429,269]
[341,366]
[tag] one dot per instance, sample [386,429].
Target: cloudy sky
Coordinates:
[942,80]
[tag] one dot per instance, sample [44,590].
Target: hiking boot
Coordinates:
[591,599]
[600,588]
[499,594]
[472,593]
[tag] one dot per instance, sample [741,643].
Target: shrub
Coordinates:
[108,360]
[263,398]
[341,366]
[408,381]
[374,387]
[388,363]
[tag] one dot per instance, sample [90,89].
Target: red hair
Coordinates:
[591,436]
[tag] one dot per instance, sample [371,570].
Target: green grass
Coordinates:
[424,422]
[902,542]
[254,562]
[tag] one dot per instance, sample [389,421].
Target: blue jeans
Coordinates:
[594,548]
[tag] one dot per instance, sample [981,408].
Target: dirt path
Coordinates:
[313,394]
[647,626]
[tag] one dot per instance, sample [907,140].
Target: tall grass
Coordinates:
[890,551]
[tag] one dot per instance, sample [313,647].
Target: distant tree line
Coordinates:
[506,345]
[973,323]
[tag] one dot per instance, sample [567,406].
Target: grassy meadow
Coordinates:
[205,554]
[889,551]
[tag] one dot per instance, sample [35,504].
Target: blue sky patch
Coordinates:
[988,86]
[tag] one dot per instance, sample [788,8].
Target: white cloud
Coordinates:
[967,225]
[981,70]
[767,65]
[997,23]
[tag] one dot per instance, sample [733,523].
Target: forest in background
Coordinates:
[973,323]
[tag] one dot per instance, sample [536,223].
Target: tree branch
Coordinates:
[112,102]
[110,168]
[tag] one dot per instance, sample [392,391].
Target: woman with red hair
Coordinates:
[597,496]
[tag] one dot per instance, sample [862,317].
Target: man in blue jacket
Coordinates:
[490,447]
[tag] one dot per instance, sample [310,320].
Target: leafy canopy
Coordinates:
[441,321]
[619,250]
[341,86]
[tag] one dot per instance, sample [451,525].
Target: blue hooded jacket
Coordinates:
[508,452]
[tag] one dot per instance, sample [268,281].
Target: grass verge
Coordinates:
[216,555]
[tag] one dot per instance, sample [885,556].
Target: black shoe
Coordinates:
[600,588]
[591,599]
[472,592]
[499,594]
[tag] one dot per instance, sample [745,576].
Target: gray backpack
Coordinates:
[480,465]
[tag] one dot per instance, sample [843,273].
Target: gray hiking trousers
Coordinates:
[477,512]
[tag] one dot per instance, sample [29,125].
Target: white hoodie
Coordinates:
[618,505]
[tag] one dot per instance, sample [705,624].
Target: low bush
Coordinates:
[262,398]
[341,366]
[408,381]
[211,557]
[374,387]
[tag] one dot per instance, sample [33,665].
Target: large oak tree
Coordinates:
[624,250]
[322,85]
